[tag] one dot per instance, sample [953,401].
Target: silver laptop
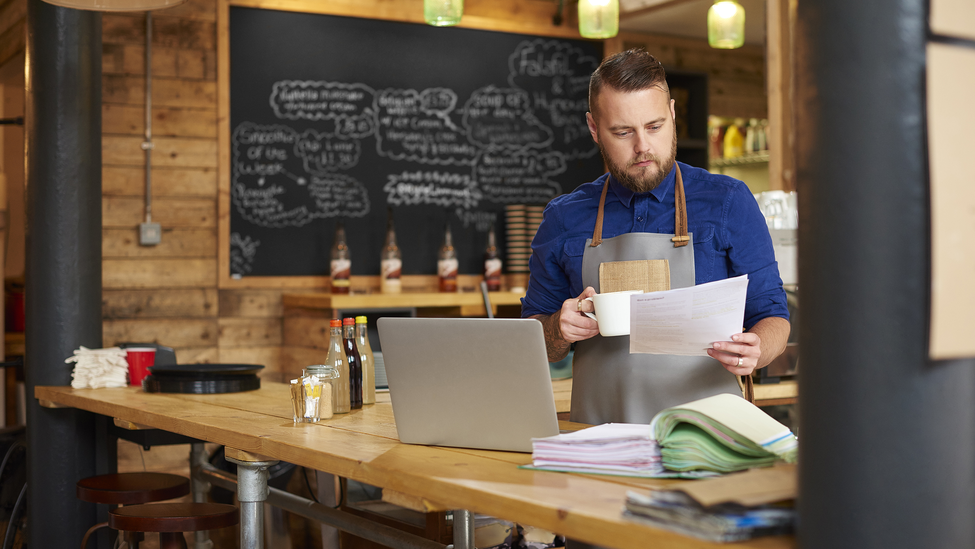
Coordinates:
[469,382]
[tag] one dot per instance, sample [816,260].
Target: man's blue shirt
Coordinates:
[730,237]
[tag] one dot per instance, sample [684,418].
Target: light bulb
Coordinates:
[726,9]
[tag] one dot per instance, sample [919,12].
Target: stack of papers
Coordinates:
[723,433]
[611,448]
[729,508]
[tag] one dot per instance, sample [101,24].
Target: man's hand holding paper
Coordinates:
[702,320]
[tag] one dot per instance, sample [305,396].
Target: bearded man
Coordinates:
[649,207]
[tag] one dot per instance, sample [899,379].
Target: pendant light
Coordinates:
[599,18]
[443,13]
[726,25]
[116,5]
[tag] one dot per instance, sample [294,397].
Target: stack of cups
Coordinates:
[533,219]
[518,241]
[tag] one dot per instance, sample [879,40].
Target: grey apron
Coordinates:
[608,383]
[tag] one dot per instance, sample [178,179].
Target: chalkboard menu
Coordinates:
[336,118]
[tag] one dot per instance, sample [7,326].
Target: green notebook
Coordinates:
[723,433]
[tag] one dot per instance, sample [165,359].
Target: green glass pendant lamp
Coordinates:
[726,25]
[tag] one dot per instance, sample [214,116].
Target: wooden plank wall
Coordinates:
[168,293]
[736,78]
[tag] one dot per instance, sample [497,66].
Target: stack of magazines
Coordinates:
[728,508]
[678,512]
[611,448]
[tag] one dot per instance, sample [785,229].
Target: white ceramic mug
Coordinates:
[613,310]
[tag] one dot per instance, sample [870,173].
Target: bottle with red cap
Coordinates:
[355,363]
[341,396]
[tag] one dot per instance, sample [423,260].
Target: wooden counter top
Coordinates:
[784,392]
[363,446]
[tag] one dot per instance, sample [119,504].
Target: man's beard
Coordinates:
[647,181]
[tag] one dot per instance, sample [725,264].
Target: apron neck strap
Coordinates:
[680,214]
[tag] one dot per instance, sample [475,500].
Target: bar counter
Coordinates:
[363,445]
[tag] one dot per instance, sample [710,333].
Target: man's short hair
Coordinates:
[628,71]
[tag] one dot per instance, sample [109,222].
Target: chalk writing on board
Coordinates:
[338,194]
[432,187]
[417,126]
[562,71]
[272,187]
[349,105]
[503,118]
[510,142]
[242,253]
[481,221]
[322,153]
[520,177]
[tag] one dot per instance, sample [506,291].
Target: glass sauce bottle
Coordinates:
[492,263]
[447,264]
[355,363]
[391,264]
[336,358]
[341,262]
[368,361]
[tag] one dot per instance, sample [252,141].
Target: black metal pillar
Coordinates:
[887,455]
[63,270]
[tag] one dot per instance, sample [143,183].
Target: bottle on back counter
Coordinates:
[447,264]
[368,361]
[341,262]
[734,141]
[336,358]
[391,264]
[492,263]
[355,363]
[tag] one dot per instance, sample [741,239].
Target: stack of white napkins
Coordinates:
[98,368]
[611,448]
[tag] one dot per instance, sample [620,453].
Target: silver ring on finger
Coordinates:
[741,361]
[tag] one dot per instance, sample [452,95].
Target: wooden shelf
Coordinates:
[318,300]
[746,160]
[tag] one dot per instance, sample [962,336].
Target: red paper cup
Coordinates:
[139,359]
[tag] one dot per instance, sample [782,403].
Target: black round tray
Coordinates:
[204,370]
[201,385]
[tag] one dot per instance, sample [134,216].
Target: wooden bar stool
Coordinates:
[172,519]
[129,489]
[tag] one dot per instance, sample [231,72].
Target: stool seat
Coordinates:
[173,517]
[132,488]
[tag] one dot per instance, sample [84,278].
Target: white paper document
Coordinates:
[686,321]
